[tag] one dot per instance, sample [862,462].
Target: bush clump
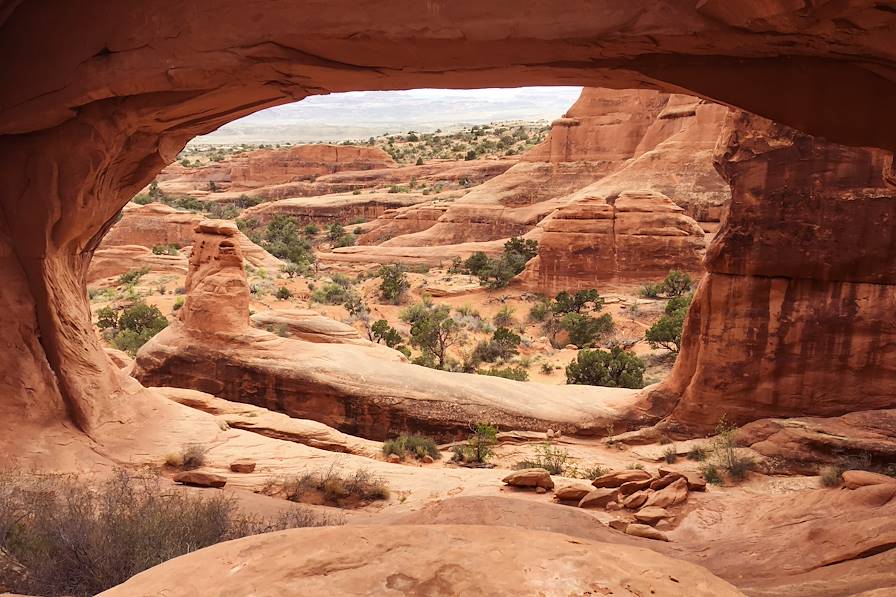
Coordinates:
[666,332]
[479,448]
[548,457]
[131,327]
[394,284]
[675,284]
[133,276]
[79,539]
[333,487]
[337,291]
[417,446]
[497,273]
[615,368]
[514,373]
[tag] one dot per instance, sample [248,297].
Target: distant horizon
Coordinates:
[363,114]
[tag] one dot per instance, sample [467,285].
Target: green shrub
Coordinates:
[331,293]
[394,284]
[677,283]
[576,303]
[478,449]
[551,459]
[417,446]
[594,472]
[514,373]
[651,290]
[130,328]
[503,345]
[383,333]
[178,303]
[666,332]
[504,317]
[80,538]
[334,488]
[132,277]
[711,473]
[634,466]
[726,454]
[584,330]
[616,369]
[312,229]
[540,311]
[169,249]
[697,453]
[670,454]
[282,239]
[283,293]
[142,199]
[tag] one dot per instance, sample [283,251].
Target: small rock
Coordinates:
[637,499]
[243,465]
[199,479]
[427,459]
[598,498]
[613,506]
[530,477]
[647,532]
[675,493]
[393,458]
[570,347]
[665,481]
[619,525]
[540,490]
[856,479]
[633,486]
[572,493]
[549,434]
[617,478]
[651,515]
[696,482]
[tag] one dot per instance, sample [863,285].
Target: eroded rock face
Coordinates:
[637,236]
[793,318]
[407,559]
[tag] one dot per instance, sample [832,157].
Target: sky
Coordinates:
[362,114]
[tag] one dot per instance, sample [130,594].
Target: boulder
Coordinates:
[200,479]
[529,477]
[243,465]
[665,481]
[856,479]
[645,531]
[633,486]
[572,493]
[617,524]
[637,499]
[393,458]
[674,493]
[617,478]
[651,515]
[599,498]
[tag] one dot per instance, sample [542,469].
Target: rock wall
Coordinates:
[794,317]
[636,236]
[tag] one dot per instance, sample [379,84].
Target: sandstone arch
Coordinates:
[95,98]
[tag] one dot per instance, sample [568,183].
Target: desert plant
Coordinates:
[575,303]
[333,487]
[133,276]
[616,369]
[504,317]
[514,373]
[540,311]
[433,331]
[697,453]
[283,293]
[76,538]
[394,283]
[550,458]
[547,368]
[417,446]
[711,473]
[670,454]
[725,451]
[478,449]
[831,476]
[634,466]
[131,327]
[666,332]
[331,293]
[585,330]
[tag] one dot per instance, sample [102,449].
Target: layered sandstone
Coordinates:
[366,390]
[634,236]
[793,317]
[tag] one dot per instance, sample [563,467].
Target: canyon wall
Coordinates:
[795,316]
[101,96]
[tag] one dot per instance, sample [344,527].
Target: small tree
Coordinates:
[575,303]
[677,283]
[666,332]
[394,283]
[615,369]
[477,263]
[504,317]
[335,232]
[433,331]
[383,333]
